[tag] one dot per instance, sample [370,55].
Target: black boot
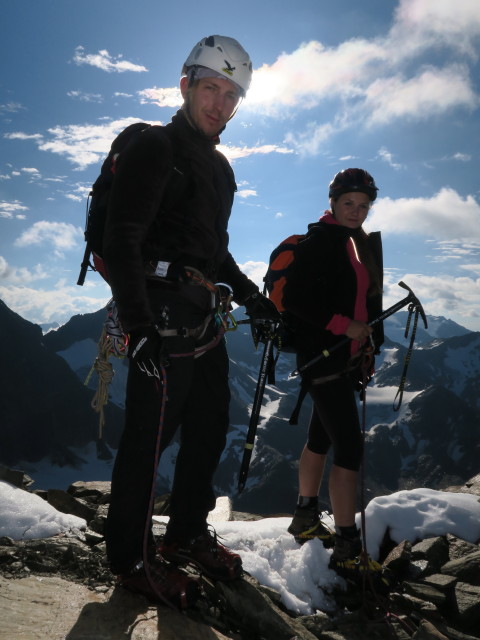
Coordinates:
[350,562]
[306,525]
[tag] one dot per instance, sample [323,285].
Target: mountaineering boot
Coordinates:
[162,583]
[351,563]
[205,553]
[306,525]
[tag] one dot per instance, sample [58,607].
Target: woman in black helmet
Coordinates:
[333,289]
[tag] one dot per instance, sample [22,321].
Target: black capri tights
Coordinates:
[335,423]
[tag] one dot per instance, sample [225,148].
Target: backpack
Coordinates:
[280,259]
[274,281]
[97,203]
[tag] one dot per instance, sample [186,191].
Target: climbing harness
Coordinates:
[114,341]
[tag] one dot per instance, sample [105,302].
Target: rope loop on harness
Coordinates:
[104,369]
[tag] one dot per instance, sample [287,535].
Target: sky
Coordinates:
[391,86]
[300,574]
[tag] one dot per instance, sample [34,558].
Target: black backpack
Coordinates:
[179,188]
[97,202]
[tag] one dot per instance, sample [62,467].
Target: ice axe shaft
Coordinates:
[410,299]
[257,405]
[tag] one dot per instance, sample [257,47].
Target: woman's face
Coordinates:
[351,209]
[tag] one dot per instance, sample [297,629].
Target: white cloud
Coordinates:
[63,236]
[12,209]
[376,81]
[11,107]
[388,157]
[85,97]
[245,193]
[234,153]
[462,157]
[54,305]
[255,271]
[427,23]
[443,295]
[445,216]
[170,97]
[84,145]
[18,135]
[104,61]
[432,92]
[20,275]
[474,268]
[310,141]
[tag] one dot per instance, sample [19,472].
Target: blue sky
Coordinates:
[392,86]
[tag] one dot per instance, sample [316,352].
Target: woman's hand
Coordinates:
[358,330]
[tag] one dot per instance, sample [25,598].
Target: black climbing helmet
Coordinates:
[352,180]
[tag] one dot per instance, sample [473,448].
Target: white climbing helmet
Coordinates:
[223,55]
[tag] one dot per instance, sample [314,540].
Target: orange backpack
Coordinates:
[280,260]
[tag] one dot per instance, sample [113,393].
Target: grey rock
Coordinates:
[466,568]
[438,601]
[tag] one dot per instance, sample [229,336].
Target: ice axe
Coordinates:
[414,305]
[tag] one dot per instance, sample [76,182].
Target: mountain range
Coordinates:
[49,429]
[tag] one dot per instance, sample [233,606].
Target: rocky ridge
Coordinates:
[60,588]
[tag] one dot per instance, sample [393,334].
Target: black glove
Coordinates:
[259,307]
[145,349]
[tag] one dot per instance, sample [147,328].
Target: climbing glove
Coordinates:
[259,307]
[144,349]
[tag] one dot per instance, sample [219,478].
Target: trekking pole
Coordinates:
[257,404]
[410,299]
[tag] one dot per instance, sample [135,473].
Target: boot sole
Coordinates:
[180,561]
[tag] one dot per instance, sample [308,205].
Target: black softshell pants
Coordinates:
[197,402]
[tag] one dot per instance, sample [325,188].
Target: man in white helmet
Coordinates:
[166,244]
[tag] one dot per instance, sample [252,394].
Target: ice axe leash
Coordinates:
[265,366]
[414,305]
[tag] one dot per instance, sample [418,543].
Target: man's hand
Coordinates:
[144,348]
[259,307]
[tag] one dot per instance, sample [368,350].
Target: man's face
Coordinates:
[211,103]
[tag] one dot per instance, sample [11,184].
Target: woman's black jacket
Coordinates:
[321,282]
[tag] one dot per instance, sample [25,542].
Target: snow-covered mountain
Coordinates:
[430,442]
[44,408]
